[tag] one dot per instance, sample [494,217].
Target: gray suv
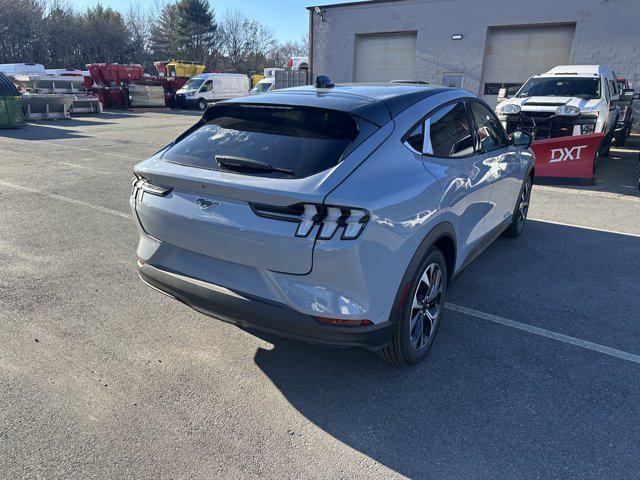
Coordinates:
[336,215]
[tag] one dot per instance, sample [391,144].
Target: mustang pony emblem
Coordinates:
[206,204]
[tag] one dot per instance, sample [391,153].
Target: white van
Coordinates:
[206,88]
[22,69]
[265,85]
[268,83]
[567,100]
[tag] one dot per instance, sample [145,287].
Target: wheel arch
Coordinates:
[442,236]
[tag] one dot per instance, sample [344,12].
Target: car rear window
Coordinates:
[295,141]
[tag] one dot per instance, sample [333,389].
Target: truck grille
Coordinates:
[545,127]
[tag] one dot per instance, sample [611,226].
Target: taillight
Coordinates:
[141,185]
[291,63]
[330,219]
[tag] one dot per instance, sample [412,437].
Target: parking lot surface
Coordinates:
[535,372]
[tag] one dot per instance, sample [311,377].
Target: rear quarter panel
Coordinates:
[405,205]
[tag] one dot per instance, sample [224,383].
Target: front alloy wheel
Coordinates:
[522,209]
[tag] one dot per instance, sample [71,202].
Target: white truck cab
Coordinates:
[268,83]
[299,63]
[567,100]
[265,85]
[206,88]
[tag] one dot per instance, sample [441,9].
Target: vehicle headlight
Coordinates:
[509,109]
[567,111]
[190,94]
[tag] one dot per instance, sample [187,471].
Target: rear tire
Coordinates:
[519,216]
[422,312]
[622,138]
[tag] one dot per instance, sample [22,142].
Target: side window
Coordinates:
[415,138]
[489,132]
[449,132]
[614,87]
[208,86]
[607,90]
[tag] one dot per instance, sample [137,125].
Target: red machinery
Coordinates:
[113,73]
[112,79]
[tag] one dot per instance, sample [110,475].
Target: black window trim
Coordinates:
[505,139]
[472,124]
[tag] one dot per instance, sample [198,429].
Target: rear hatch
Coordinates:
[235,185]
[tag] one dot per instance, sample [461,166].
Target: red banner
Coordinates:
[567,157]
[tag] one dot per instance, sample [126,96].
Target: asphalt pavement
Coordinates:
[535,372]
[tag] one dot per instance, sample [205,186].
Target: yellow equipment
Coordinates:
[255,79]
[178,68]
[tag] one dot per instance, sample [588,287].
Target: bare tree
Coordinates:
[281,53]
[138,24]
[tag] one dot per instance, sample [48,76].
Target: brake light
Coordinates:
[329,219]
[343,322]
[291,63]
[141,185]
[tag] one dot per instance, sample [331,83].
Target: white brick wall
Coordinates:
[607,32]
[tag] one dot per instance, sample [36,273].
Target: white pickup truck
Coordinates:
[567,100]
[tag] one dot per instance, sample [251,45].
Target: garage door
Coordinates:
[514,54]
[384,57]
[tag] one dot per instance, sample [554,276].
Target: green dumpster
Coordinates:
[11,114]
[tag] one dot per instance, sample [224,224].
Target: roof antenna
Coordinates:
[322,81]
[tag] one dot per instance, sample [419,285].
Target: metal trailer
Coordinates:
[290,78]
[47,106]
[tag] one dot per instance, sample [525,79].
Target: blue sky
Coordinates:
[287,18]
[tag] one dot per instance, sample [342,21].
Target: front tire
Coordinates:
[202,104]
[605,148]
[422,312]
[522,209]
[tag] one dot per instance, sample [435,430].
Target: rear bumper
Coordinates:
[247,311]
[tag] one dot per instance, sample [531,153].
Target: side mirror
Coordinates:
[521,139]
[626,97]
[502,95]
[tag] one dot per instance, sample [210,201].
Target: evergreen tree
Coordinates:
[195,29]
[163,40]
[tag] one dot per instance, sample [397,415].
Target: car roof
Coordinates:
[579,70]
[375,102]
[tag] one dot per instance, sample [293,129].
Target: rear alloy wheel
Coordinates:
[421,317]
[426,306]
[202,104]
[522,209]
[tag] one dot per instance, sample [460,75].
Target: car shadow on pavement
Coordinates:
[491,401]
[51,130]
